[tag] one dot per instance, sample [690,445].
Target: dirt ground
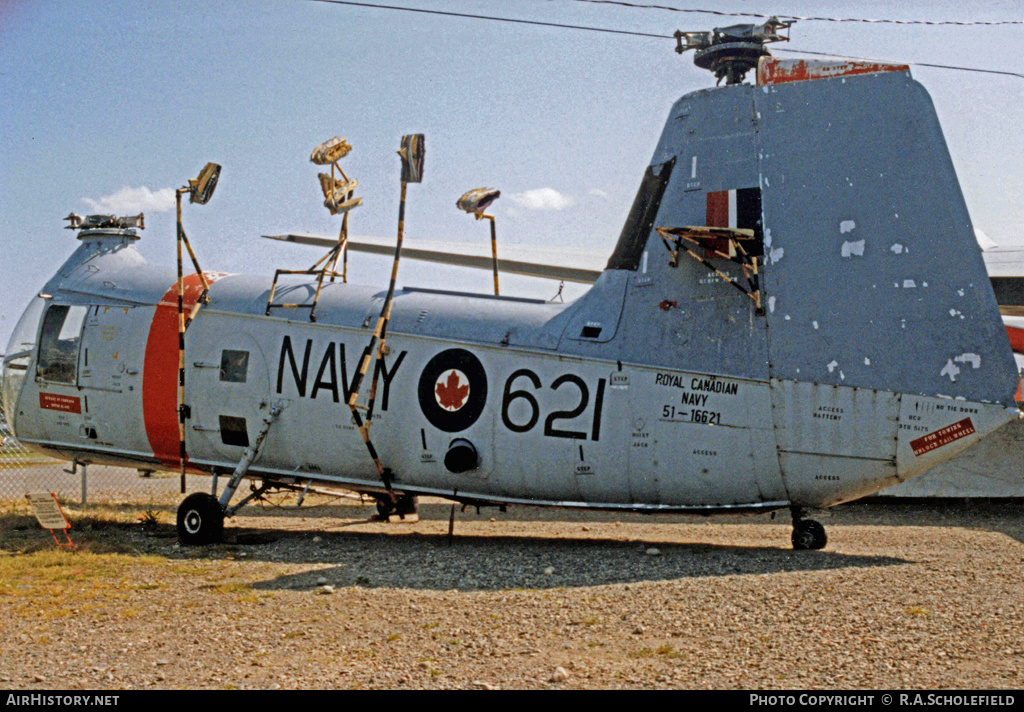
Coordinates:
[926,594]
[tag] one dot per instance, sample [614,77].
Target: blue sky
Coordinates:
[109,106]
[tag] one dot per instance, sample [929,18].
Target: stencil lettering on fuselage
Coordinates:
[331,376]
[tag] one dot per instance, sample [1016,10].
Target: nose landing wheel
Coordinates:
[200,520]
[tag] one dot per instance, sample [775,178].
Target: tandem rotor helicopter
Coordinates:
[796,314]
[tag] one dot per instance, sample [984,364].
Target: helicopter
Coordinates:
[796,314]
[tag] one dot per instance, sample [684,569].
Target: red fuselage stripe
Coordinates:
[160,373]
[1016,335]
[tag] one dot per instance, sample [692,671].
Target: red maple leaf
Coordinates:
[450,395]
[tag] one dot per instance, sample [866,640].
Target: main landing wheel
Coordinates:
[403,505]
[200,520]
[808,534]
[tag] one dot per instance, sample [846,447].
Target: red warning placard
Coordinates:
[946,435]
[65,404]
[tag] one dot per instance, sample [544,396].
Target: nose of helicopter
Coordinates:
[16,360]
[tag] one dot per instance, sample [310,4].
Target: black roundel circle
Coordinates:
[453,390]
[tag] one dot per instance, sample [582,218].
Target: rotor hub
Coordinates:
[730,52]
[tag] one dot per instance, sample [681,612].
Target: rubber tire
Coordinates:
[808,534]
[406,504]
[200,520]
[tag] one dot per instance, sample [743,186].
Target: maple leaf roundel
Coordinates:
[453,390]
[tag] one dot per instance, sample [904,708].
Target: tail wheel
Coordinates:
[808,534]
[200,520]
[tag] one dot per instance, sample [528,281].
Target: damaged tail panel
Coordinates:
[870,253]
[854,285]
[869,249]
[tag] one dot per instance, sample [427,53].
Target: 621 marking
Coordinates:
[509,395]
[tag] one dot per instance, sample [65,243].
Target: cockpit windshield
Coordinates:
[19,353]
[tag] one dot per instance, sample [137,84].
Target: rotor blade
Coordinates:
[1004,262]
[1006,272]
[462,255]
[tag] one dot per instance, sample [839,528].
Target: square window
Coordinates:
[234,366]
[233,431]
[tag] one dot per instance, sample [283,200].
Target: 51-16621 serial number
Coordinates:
[693,415]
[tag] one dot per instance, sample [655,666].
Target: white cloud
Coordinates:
[133,200]
[599,193]
[542,199]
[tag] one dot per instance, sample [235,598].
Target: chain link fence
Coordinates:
[23,471]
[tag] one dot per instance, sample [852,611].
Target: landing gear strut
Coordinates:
[807,533]
[201,516]
[200,520]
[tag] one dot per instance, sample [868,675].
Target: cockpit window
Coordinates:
[23,339]
[58,343]
[20,349]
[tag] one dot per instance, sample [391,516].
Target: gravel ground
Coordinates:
[906,595]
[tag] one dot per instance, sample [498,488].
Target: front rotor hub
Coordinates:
[731,52]
[730,61]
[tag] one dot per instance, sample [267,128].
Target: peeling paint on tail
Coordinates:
[781,71]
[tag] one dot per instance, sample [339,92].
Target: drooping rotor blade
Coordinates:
[467,255]
[1006,272]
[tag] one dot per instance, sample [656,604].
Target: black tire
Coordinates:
[200,520]
[406,504]
[808,534]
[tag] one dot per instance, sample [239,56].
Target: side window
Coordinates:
[234,366]
[233,431]
[58,343]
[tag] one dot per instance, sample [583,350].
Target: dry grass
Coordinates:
[46,577]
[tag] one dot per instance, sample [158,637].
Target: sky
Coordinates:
[107,107]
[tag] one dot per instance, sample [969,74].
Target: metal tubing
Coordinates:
[494,251]
[250,455]
[181,342]
[379,332]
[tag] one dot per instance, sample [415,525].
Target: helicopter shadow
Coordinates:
[495,563]
[1004,515]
